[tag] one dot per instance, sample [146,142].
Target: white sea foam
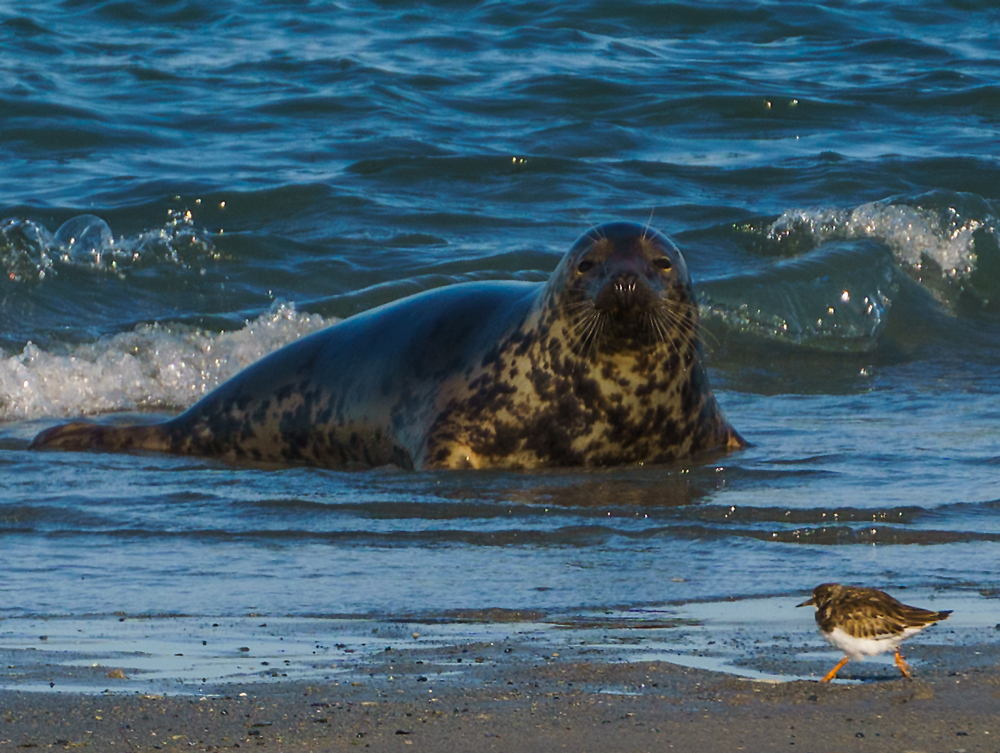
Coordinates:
[153,366]
[914,234]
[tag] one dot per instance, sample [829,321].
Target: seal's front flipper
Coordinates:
[80,436]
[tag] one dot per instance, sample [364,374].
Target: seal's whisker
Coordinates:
[574,306]
[586,334]
[669,325]
[585,331]
[659,326]
[679,314]
[678,319]
[652,329]
[690,323]
[588,218]
[598,331]
[681,326]
[595,343]
[583,320]
[706,335]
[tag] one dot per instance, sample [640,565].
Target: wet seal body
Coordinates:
[601,365]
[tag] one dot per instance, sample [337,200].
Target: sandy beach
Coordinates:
[514,696]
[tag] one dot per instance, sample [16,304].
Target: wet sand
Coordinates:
[512,698]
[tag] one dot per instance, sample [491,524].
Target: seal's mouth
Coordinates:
[626,314]
[625,297]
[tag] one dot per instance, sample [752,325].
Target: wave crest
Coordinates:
[155,366]
[830,276]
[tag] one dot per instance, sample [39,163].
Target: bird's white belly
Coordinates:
[858,648]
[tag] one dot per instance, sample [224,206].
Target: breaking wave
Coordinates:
[155,366]
[829,277]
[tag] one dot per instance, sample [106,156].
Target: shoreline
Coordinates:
[705,676]
[641,706]
[595,685]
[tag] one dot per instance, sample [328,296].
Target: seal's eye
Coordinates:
[585,266]
[662,263]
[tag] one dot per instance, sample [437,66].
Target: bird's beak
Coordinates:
[810,603]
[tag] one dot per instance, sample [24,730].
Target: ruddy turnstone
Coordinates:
[865,621]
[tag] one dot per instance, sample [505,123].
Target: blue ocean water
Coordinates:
[187,185]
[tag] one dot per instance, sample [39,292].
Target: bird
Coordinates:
[865,622]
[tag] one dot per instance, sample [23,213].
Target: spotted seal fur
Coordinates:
[601,365]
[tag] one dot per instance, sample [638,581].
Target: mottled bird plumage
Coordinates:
[865,621]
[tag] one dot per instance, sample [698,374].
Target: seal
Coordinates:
[601,365]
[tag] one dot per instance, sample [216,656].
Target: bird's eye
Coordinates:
[585,266]
[662,263]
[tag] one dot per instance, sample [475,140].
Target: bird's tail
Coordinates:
[918,616]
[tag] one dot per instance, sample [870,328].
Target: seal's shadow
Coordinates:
[644,488]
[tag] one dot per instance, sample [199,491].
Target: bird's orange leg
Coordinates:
[833,672]
[903,666]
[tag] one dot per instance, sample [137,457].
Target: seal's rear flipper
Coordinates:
[80,436]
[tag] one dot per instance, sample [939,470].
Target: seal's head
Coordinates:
[623,287]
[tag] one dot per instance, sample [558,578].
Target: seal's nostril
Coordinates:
[624,293]
[629,284]
[626,282]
